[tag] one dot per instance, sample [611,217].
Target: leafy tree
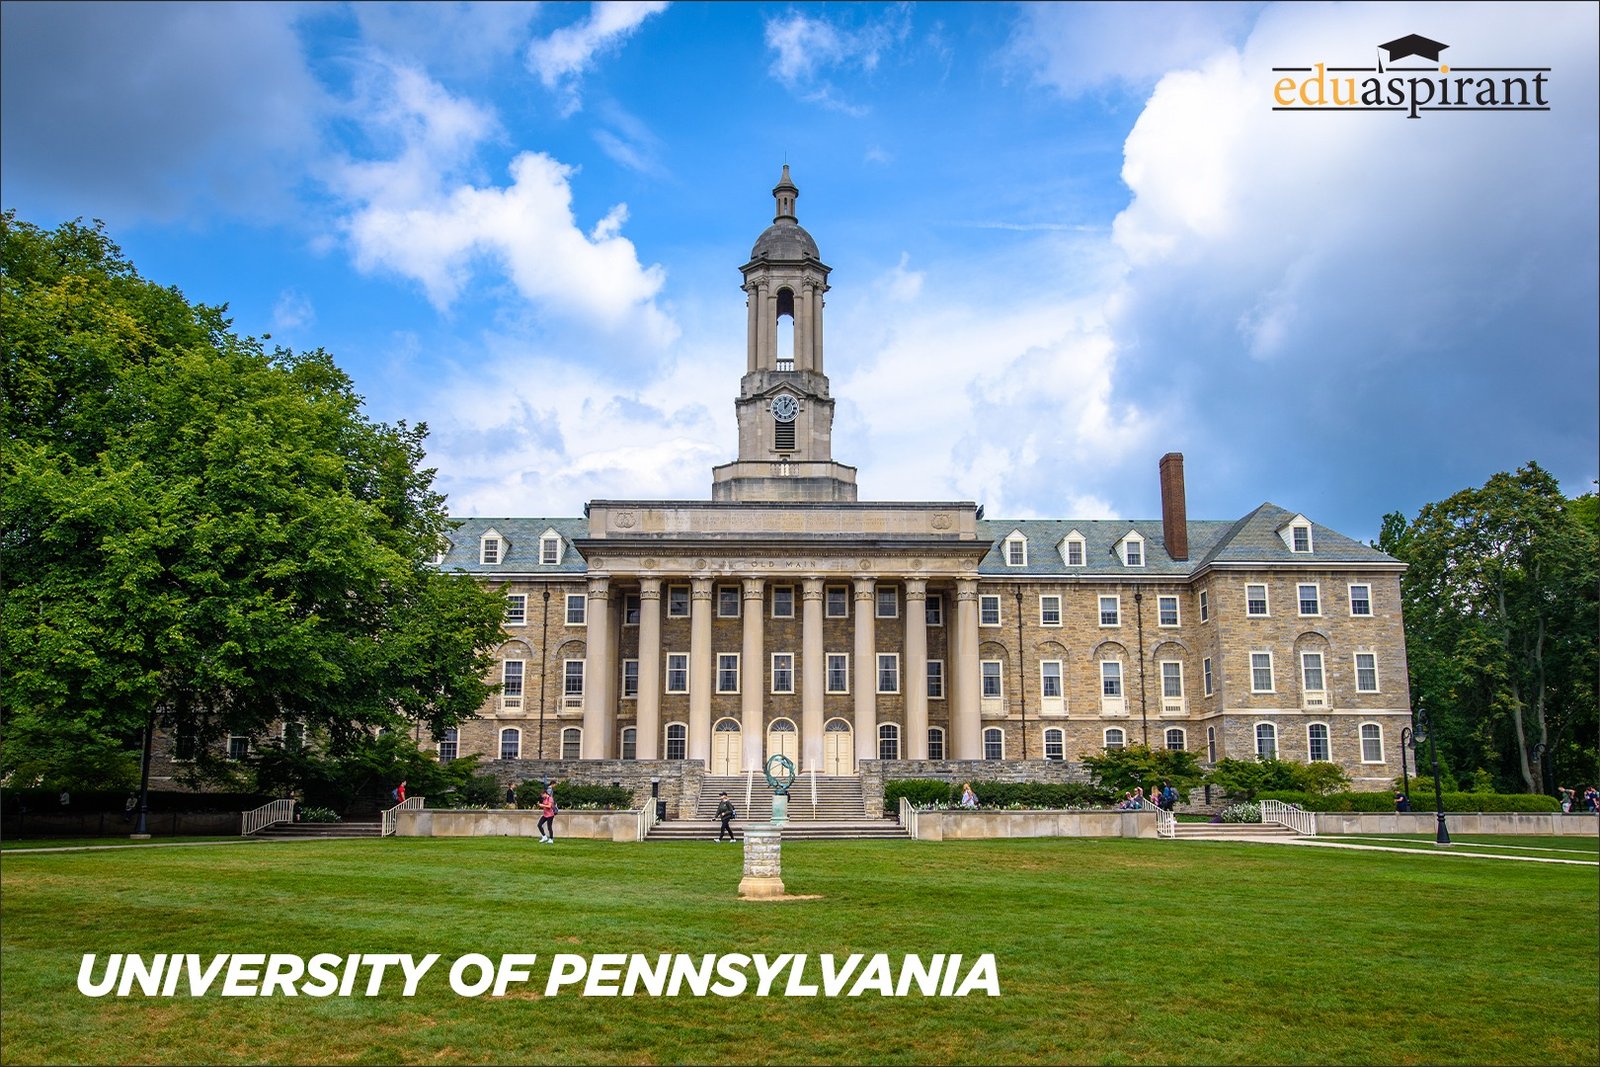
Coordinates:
[200,534]
[362,776]
[1122,769]
[1501,614]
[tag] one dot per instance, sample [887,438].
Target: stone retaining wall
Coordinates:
[874,773]
[678,780]
[1425,822]
[981,824]
[589,825]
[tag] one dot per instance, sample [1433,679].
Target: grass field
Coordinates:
[1107,951]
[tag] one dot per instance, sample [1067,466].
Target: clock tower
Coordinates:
[784,410]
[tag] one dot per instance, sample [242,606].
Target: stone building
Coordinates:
[785,615]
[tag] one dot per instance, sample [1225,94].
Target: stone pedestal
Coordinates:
[763,863]
[780,809]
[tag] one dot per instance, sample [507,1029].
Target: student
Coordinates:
[1566,796]
[726,813]
[1401,801]
[398,793]
[547,816]
[1169,795]
[969,799]
[511,796]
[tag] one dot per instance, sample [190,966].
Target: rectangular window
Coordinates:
[1054,746]
[1110,678]
[1310,600]
[1074,553]
[935,609]
[630,679]
[1205,606]
[550,551]
[677,602]
[511,684]
[727,602]
[449,745]
[1050,611]
[1016,552]
[238,747]
[838,672]
[1110,611]
[783,602]
[1311,671]
[571,744]
[1050,679]
[1167,611]
[577,609]
[994,744]
[677,672]
[572,678]
[1371,743]
[1361,600]
[991,679]
[630,609]
[936,743]
[1301,538]
[1171,678]
[1255,601]
[516,609]
[936,679]
[510,744]
[888,672]
[836,601]
[490,550]
[888,741]
[888,602]
[1261,672]
[783,672]
[677,741]
[1133,553]
[1205,673]
[1317,742]
[988,611]
[727,672]
[1366,672]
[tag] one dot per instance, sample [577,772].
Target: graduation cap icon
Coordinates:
[1412,44]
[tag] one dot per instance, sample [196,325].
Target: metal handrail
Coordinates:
[266,815]
[1166,823]
[647,817]
[1293,816]
[408,804]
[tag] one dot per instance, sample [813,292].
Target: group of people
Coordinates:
[1165,797]
[1588,802]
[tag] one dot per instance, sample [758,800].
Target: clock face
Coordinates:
[785,407]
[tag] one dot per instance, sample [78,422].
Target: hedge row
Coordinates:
[926,792]
[1421,801]
[89,802]
[573,795]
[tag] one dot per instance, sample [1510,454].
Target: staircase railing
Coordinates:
[408,804]
[275,812]
[1166,823]
[1293,816]
[647,817]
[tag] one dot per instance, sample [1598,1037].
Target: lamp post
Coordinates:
[141,829]
[1407,740]
[1424,732]
[1538,757]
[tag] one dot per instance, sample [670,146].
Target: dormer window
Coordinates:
[1073,551]
[1296,534]
[1016,550]
[441,551]
[549,548]
[491,548]
[1133,551]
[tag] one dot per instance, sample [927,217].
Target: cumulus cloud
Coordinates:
[561,59]
[412,214]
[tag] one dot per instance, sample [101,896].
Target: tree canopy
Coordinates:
[1501,621]
[196,528]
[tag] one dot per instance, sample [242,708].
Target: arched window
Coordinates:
[1055,746]
[449,745]
[994,743]
[935,742]
[784,349]
[630,742]
[677,741]
[1317,749]
[1177,741]
[1371,743]
[511,743]
[572,743]
[888,741]
[1115,738]
[1266,741]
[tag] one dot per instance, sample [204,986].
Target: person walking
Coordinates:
[1566,796]
[398,793]
[547,816]
[969,799]
[725,812]
[511,796]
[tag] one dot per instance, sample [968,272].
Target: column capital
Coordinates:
[754,588]
[811,589]
[916,588]
[649,588]
[600,588]
[866,588]
[700,587]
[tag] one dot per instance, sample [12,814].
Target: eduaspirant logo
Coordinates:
[1412,89]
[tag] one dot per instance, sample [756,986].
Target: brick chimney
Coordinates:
[1174,511]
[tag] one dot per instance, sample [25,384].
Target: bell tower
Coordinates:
[784,410]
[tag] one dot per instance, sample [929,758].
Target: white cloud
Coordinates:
[459,37]
[808,51]
[561,58]
[292,311]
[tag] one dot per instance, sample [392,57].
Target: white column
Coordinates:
[753,686]
[700,670]
[866,672]
[751,328]
[599,675]
[813,675]
[966,725]
[648,719]
[802,328]
[816,329]
[915,681]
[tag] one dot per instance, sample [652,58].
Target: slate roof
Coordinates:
[1252,539]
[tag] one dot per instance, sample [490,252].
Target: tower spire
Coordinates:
[786,193]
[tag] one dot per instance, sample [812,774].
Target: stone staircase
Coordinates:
[1232,831]
[312,831]
[839,813]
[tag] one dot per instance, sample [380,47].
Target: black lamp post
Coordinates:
[1407,740]
[1538,758]
[141,828]
[1424,732]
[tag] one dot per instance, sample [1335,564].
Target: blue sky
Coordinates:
[1064,239]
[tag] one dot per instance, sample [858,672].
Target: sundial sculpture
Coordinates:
[781,774]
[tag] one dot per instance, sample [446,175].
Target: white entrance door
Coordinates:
[725,747]
[783,739]
[838,748]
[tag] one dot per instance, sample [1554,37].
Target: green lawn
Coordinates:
[1563,846]
[1107,951]
[102,842]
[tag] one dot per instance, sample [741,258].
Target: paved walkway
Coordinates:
[1453,850]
